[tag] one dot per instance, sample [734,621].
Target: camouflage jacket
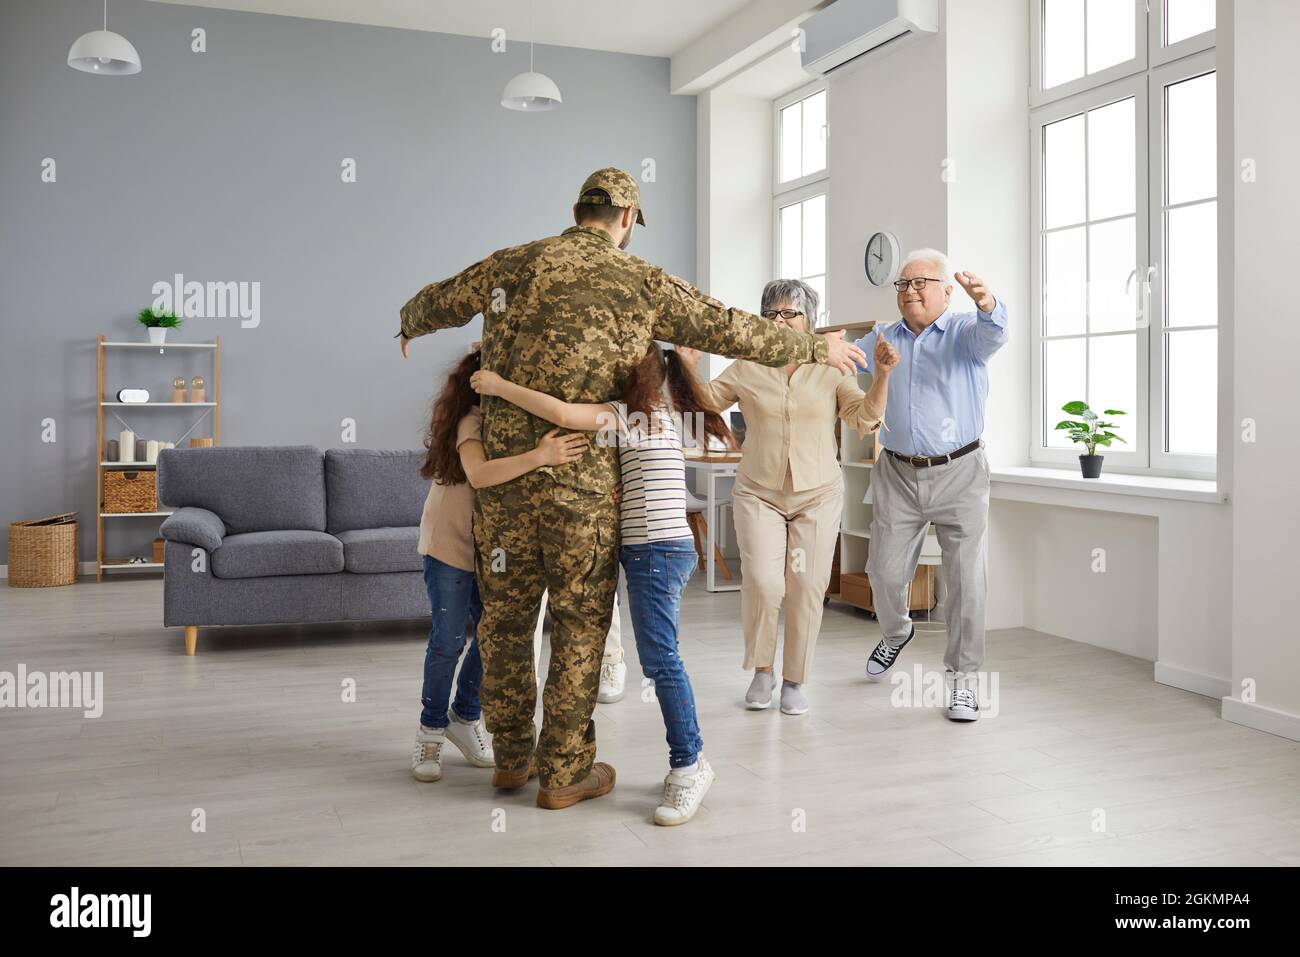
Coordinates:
[572,316]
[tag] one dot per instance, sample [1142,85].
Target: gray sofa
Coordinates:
[290,535]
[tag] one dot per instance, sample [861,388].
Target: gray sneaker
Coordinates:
[759,695]
[793,700]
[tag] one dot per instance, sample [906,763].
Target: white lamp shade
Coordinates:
[531,92]
[103,51]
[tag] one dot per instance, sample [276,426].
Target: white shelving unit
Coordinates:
[104,347]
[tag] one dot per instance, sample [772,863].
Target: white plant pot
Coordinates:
[157,335]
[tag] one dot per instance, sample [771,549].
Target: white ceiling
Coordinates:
[647,27]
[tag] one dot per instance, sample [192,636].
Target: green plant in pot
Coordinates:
[1092,432]
[158,323]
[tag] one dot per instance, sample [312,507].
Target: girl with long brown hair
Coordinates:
[658,552]
[457,464]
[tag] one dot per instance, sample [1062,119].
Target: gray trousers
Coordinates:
[905,500]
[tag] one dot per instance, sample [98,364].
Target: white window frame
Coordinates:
[1138,64]
[1158,53]
[1144,77]
[1172,463]
[800,189]
[1133,456]
[789,198]
[780,103]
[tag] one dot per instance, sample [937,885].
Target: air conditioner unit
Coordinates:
[851,32]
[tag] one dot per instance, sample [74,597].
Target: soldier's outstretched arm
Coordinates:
[452,302]
[685,316]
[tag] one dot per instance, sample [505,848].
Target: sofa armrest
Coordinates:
[194,526]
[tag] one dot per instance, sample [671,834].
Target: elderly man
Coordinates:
[933,468]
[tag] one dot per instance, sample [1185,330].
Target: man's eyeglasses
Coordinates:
[783,313]
[918,283]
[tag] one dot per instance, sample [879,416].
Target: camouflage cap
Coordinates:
[619,189]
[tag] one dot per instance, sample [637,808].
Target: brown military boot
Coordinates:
[598,782]
[514,780]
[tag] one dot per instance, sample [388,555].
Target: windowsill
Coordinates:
[1115,483]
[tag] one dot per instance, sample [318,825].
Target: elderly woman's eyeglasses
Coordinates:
[783,313]
[918,283]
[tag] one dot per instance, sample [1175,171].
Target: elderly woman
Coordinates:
[789,491]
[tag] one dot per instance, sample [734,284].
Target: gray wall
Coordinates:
[225,166]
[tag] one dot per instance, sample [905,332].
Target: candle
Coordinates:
[112,455]
[127,446]
[141,450]
[151,452]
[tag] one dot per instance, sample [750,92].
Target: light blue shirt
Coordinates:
[938,389]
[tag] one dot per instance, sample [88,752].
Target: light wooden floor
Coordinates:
[253,731]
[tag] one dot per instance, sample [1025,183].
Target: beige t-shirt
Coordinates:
[446,526]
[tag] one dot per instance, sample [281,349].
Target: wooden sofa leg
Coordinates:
[191,639]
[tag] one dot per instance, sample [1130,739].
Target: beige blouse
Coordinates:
[446,531]
[791,422]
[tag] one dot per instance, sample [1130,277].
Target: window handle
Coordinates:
[1151,274]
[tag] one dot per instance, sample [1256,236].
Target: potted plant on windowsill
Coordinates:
[158,324]
[1092,432]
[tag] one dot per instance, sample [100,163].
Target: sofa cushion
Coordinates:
[373,488]
[275,553]
[250,489]
[377,551]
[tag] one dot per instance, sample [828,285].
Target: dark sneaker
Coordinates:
[963,705]
[885,657]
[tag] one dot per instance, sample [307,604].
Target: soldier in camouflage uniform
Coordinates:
[571,315]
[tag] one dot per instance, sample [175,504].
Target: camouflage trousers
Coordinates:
[530,535]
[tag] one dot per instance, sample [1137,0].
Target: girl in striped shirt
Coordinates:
[661,398]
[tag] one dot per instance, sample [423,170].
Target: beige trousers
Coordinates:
[787,544]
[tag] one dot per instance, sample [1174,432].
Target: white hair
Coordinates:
[935,256]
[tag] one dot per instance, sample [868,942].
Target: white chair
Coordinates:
[695,508]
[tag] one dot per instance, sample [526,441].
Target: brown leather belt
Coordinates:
[925,461]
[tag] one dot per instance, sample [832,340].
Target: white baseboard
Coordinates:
[1282,723]
[83,568]
[1193,681]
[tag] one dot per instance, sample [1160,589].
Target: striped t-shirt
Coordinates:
[654,477]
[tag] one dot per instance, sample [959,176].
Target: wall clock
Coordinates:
[882,258]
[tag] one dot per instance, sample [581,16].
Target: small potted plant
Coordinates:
[158,323]
[1092,432]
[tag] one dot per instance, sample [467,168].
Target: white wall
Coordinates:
[883,176]
[736,251]
[1265,647]
[988,195]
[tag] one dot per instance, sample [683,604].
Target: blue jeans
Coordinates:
[656,574]
[453,596]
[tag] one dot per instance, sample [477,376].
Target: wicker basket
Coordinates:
[43,552]
[130,491]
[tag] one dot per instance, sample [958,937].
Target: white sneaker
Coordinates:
[472,739]
[613,676]
[963,705]
[426,757]
[683,794]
